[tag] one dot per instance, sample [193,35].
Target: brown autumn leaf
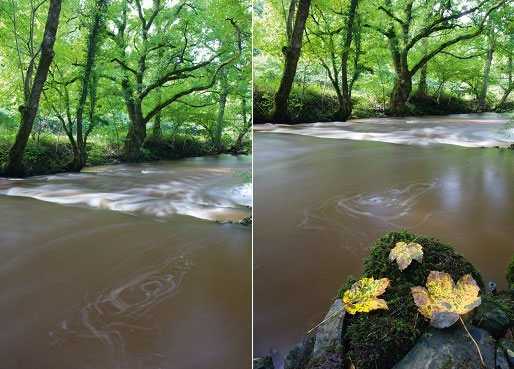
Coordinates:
[404,253]
[362,297]
[442,301]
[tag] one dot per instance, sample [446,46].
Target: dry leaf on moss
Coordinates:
[404,253]
[362,297]
[442,301]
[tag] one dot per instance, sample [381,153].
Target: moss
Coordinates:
[510,274]
[380,339]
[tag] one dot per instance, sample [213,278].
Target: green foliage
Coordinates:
[307,105]
[43,157]
[510,273]
[183,49]
[380,339]
[455,76]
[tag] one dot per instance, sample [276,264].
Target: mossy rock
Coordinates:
[379,340]
[495,314]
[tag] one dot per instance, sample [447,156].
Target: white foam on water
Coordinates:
[205,193]
[467,130]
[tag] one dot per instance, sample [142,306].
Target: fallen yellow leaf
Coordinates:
[442,301]
[362,296]
[404,253]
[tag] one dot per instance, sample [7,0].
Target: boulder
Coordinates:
[501,359]
[329,333]
[300,355]
[492,316]
[450,349]
[331,358]
[263,363]
[508,348]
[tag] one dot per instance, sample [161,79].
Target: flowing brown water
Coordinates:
[123,267]
[320,203]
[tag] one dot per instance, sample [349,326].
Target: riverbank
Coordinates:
[311,105]
[399,336]
[51,155]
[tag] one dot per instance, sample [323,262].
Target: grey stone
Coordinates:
[491,317]
[263,363]
[300,355]
[508,349]
[501,359]
[450,348]
[329,333]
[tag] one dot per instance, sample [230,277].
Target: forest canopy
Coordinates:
[126,80]
[363,58]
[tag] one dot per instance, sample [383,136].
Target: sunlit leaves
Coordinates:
[443,301]
[404,253]
[362,297]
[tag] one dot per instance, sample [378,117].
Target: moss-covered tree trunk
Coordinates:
[291,56]
[29,111]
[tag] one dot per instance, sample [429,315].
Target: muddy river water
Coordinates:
[324,192]
[125,267]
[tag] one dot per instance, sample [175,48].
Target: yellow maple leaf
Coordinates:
[442,301]
[404,253]
[362,296]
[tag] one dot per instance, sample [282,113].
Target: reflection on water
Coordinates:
[162,189]
[320,204]
[468,130]
[113,269]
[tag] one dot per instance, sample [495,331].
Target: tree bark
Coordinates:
[422,84]
[218,129]
[510,82]
[29,111]
[291,56]
[79,159]
[345,98]
[482,98]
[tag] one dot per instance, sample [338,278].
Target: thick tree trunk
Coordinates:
[292,55]
[345,98]
[345,108]
[135,137]
[28,113]
[400,94]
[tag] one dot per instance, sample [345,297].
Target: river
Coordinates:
[127,267]
[324,192]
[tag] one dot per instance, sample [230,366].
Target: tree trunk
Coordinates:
[92,45]
[291,55]
[400,94]
[135,136]
[157,130]
[345,98]
[422,84]
[482,97]
[28,113]
[218,129]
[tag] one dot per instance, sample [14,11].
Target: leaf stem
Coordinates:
[474,341]
[324,321]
